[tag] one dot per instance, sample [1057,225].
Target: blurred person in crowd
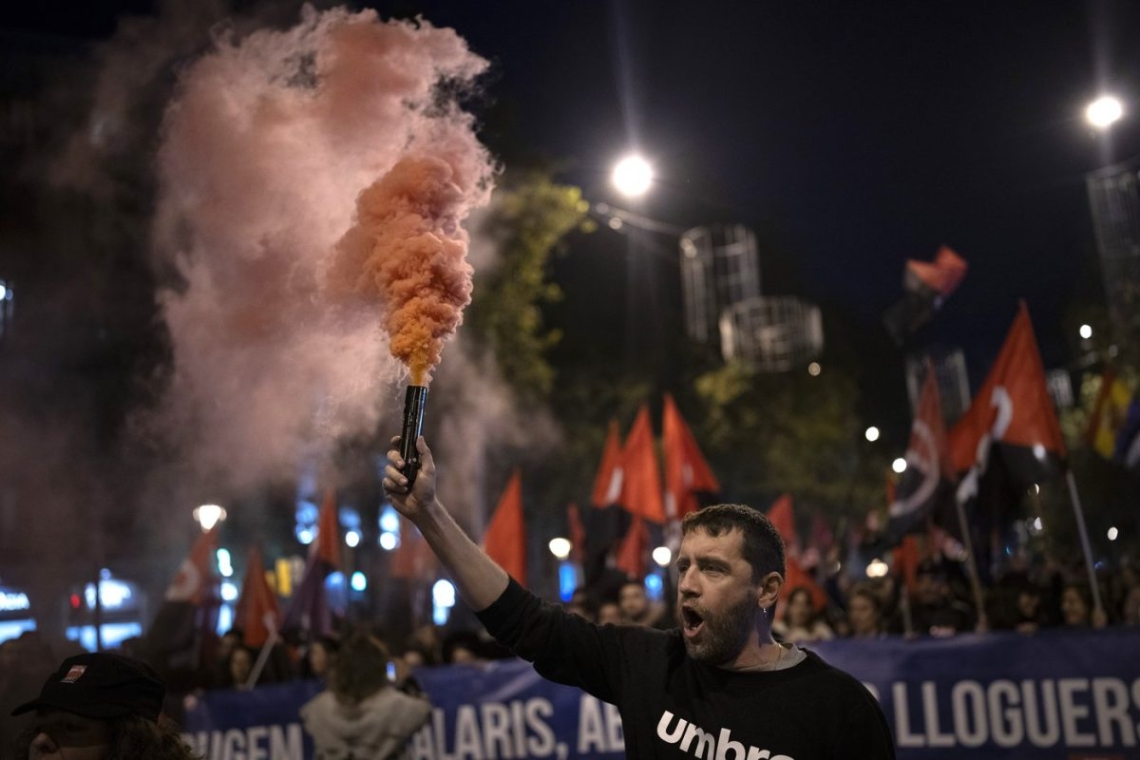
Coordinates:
[427,640]
[240,667]
[609,613]
[720,673]
[101,706]
[1014,604]
[361,714]
[583,604]
[800,623]
[220,671]
[402,676]
[864,613]
[636,609]
[1077,608]
[935,611]
[320,657]
[462,648]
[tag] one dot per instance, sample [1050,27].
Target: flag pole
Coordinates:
[263,655]
[1075,497]
[972,566]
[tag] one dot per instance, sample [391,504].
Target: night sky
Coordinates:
[857,134]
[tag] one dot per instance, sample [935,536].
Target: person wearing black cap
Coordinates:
[100,706]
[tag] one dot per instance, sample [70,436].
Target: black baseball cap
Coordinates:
[102,686]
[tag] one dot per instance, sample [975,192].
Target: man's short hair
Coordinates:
[763,547]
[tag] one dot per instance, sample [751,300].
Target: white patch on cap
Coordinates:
[74,674]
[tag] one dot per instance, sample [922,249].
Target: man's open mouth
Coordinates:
[691,621]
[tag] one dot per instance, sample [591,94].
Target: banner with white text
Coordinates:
[1055,695]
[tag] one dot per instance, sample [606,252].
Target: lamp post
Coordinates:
[632,176]
[209,515]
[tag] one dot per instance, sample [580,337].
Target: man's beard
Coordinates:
[724,634]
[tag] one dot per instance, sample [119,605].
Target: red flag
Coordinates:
[926,482]
[257,608]
[784,521]
[308,610]
[413,558]
[641,478]
[794,577]
[630,556]
[195,578]
[605,489]
[942,276]
[327,547]
[686,471]
[577,533]
[505,539]
[1013,406]
[906,562]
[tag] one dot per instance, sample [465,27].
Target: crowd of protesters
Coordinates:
[939,601]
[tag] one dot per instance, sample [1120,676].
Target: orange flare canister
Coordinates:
[414,402]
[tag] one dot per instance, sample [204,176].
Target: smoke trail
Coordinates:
[270,140]
[408,251]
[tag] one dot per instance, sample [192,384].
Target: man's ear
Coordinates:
[770,586]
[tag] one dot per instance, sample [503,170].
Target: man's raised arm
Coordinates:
[479,579]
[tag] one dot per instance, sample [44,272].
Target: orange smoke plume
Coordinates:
[408,251]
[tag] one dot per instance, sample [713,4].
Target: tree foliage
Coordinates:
[530,217]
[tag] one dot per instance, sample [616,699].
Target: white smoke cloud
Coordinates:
[270,138]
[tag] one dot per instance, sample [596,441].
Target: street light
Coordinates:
[872,434]
[632,176]
[560,547]
[209,515]
[662,555]
[899,465]
[1103,112]
[1086,331]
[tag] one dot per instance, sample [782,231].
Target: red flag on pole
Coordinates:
[505,538]
[308,610]
[606,490]
[630,556]
[641,478]
[784,521]
[926,482]
[413,558]
[1013,406]
[795,576]
[906,562]
[686,471]
[194,581]
[257,608]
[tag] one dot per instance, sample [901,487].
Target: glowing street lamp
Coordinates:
[560,547]
[872,434]
[1105,111]
[632,176]
[899,466]
[1086,331]
[209,515]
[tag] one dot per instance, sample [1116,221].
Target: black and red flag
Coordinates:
[927,482]
[1009,439]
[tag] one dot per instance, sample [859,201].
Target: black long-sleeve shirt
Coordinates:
[672,706]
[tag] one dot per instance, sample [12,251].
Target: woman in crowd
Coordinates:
[800,623]
[1077,608]
[864,613]
[360,714]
